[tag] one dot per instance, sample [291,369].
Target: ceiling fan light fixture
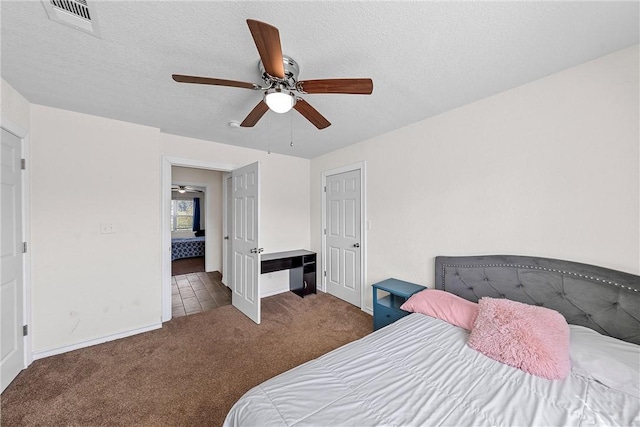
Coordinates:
[282,90]
[182,189]
[279,100]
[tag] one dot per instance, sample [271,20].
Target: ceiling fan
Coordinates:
[282,88]
[185,189]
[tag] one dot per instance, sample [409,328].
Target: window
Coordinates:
[181,215]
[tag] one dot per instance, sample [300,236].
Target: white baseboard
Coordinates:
[89,343]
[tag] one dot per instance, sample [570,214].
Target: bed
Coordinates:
[187,247]
[420,370]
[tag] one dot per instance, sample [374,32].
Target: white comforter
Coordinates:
[420,372]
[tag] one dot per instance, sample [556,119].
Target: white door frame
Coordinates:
[226,232]
[23,134]
[362,167]
[165,222]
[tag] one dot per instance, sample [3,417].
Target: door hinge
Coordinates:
[325,231]
[24,247]
[25,330]
[325,273]
[325,188]
[23,164]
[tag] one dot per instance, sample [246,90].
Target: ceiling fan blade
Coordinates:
[267,40]
[311,114]
[211,81]
[348,86]
[255,115]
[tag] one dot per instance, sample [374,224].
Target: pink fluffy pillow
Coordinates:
[533,339]
[443,305]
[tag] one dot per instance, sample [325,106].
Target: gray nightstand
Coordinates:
[386,310]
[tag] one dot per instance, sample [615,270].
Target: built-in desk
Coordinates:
[301,265]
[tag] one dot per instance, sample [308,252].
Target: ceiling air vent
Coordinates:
[74,13]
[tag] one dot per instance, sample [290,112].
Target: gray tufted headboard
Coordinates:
[605,300]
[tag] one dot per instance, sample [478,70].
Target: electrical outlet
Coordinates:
[107,228]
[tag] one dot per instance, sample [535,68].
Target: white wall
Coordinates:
[88,285]
[546,169]
[284,182]
[284,189]
[14,106]
[211,207]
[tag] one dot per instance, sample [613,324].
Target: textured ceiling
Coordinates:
[425,58]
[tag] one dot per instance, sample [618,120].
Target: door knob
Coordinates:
[356,245]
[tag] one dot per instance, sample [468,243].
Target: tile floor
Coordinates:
[197,292]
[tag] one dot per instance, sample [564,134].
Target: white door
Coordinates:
[228,224]
[11,288]
[342,256]
[245,288]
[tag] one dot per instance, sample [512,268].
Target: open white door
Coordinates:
[12,287]
[245,280]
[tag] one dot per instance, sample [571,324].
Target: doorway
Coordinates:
[168,165]
[343,233]
[196,262]
[245,286]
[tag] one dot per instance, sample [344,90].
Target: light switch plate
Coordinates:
[107,228]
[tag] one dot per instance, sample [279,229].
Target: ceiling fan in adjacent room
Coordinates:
[282,88]
[185,189]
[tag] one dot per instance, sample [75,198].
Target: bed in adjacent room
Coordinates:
[187,247]
[580,325]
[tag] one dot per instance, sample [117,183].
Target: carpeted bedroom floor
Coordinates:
[190,372]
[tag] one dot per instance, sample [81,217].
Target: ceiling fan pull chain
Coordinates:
[269,133]
[291,127]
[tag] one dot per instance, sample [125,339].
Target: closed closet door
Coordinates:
[343,236]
